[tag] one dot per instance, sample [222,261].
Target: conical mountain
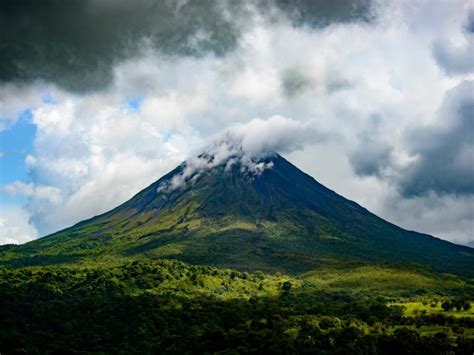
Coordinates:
[242,212]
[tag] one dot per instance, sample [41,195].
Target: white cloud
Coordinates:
[15,99]
[15,227]
[91,153]
[455,55]
[19,188]
[247,145]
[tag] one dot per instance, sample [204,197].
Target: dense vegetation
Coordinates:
[169,306]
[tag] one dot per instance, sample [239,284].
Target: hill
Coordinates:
[244,212]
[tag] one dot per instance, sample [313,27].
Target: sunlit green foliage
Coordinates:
[170,306]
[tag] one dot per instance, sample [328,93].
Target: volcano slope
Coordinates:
[246,214]
[339,280]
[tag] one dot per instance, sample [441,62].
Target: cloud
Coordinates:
[15,227]
[295,81]
[349,76]
[457,58]
[299,79]
[319,13]
[16,99]
[449,216]
[444,152]
[76,45]
[371,158]
[439,155]
[47,193]
[373,154]
[93,153]
[246,145]
[275,134]
[432,189]
[469,26]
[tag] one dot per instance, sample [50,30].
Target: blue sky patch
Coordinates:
[15,144]
[167,136]
[134,103]
[48,99]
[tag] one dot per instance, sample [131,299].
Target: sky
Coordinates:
[100,98]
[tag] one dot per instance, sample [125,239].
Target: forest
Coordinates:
[167,306]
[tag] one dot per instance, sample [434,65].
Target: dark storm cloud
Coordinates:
[76,43]
[320,13]
[444,153]
[371,156]
[469,26]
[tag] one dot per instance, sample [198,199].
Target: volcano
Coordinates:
[245,213]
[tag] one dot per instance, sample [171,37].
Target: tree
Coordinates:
[286,287]
[446,306]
